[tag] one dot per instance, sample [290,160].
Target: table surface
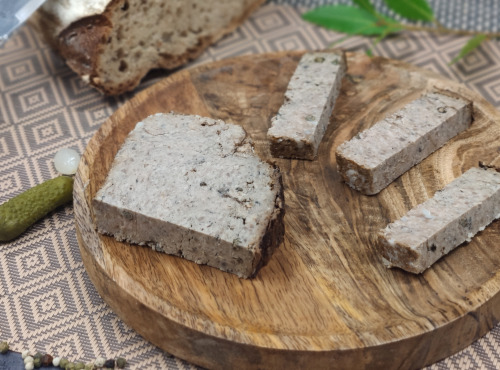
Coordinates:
[47,302]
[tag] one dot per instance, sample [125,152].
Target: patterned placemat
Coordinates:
[47,302]
[479,15]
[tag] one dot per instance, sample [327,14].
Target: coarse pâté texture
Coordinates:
[375,157]
[300,124]
[113,44]
[434,228]
[192,186]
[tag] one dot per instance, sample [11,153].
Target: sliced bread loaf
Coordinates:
[193,187]
[112,44]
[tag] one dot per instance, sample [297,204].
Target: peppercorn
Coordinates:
[4,348]
[110,364]
[29,366]
[79,366]
[47,360]
[63,362]
[37,362]
[89,366]
[70,366]
[121,362]
[99,362]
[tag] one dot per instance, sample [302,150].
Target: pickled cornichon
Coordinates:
[22,211]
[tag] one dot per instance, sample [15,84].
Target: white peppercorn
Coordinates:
[99,362]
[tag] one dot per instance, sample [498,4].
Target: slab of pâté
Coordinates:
[300,124]
[434,228]
[375,157]
[193,187]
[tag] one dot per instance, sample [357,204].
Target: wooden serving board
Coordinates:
[325,300]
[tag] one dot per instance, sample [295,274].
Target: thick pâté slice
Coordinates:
[300,124]
[434,228]
[112,44]
[374,158]
[193,187]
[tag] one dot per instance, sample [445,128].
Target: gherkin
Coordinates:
[22,211]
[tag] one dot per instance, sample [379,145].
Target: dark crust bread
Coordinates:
[81,44]
[275,230]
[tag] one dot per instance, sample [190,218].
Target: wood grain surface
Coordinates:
[324,300]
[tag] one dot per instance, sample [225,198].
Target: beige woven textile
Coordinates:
[47,302]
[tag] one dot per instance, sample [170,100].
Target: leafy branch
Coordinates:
[363,19]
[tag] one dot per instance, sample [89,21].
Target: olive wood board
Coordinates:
[325,300]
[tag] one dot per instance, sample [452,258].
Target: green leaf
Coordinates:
[349,19]
[472,44]
[366,5]
[415,10]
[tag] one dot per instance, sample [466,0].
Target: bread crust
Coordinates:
[84,42]
[275,229]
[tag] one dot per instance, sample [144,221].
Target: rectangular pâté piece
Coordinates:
[300,124]
[193,187]
[375,157]
[434,228]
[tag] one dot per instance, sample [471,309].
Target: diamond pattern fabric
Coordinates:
[47,302]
